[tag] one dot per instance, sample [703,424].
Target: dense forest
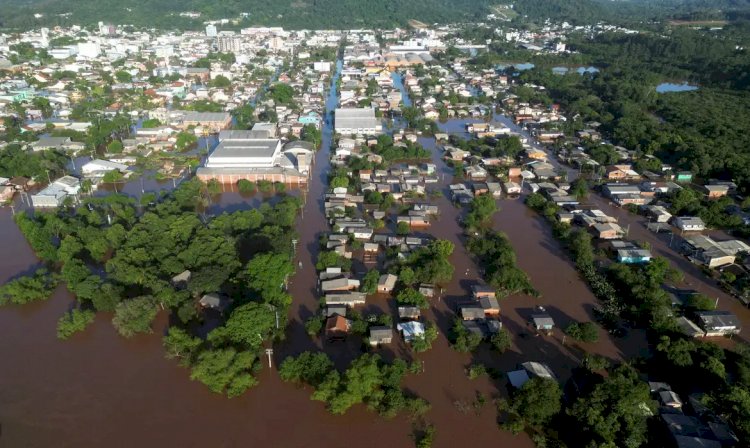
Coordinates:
[290,14]
[358,13]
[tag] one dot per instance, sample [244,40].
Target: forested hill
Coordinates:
[293,14]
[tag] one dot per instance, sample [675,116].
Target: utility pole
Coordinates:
[269,353]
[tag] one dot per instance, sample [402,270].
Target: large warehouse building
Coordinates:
[242,155]
[357,121]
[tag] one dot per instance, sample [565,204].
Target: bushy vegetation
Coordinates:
[367,380]
[584,332]
[498,260]
[481,209]
[428,264]
[73,322]
[22,290]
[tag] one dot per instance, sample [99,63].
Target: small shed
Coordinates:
[214,301]
[542,322]
[181,280]
[427,290]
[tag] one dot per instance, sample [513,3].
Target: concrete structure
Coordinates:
[56,192]
[102,166]
[719,323]
[712,253]
[61,143]
[212,121]
[689,223]
[380,335]
[357,121]
[240,155]
[386,283]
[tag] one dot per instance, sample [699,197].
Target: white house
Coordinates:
[56,192]
[102,166]
[689,223]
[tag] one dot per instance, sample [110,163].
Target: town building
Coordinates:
[240,155]
[357,121]
[55,193]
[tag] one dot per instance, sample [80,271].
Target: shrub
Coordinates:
[265,186]
[245,186]
[73,322]
[584,332]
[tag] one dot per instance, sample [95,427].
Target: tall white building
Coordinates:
[229,44]
[211,30]
[45,37]
[89,49]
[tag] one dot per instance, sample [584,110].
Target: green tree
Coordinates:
[463,340]
[74,321]
[534,404]
[135,316]
[225,370]
[22,290]
[220,82]
[370,281]
[185,140]
[502,340]
[112,176]
[123,76]
[314,325]
[115,147]
[584,332]
[245,186]
[266,274]
[310,368]
[615,412]
[481,209]
[310,133]
[700,302]
[579,188]
[402,228]
[150,123]
[244,116]
[424,342]
[265,186]
[179,344]
[339,182]
[734,404]
[410,296]
[248,326]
